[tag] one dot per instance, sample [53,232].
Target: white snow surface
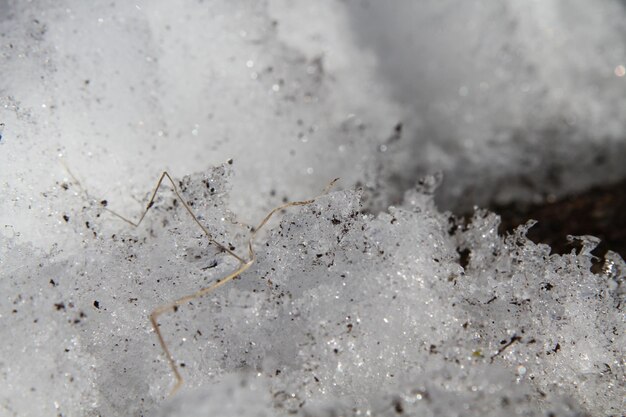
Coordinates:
[354,307]
[342,314]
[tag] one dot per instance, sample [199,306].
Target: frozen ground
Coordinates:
[345,313]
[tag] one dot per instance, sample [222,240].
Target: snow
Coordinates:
[371,300]
[519,88]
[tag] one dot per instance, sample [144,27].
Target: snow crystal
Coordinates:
[343,313]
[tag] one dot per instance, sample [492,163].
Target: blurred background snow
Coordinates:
[503,97]
[512,102]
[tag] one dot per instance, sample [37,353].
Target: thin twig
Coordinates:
[244,264]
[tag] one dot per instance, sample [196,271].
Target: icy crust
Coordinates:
[343,314]
[567,323]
